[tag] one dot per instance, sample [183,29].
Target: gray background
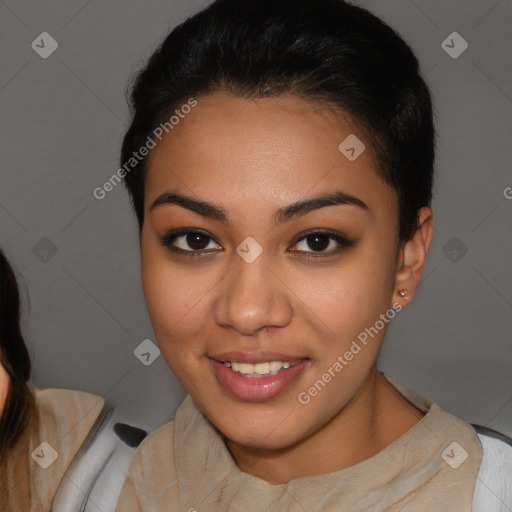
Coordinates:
[63,119]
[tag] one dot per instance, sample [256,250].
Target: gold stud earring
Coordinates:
[402,293]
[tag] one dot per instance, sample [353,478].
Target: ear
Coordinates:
[412,258]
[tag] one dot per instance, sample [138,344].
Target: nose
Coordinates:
[252,297]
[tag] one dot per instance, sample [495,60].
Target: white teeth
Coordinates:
[262,368]
[245,368]
[266,368]
[275,366]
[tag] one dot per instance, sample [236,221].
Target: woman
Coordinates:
[280,164]
[16,400]
[55,444]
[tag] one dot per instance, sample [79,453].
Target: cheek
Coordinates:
[173,297]
[350,296]
[173,304]
[4,387]
[176,297]
[163,296]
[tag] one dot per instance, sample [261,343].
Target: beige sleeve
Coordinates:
[36,464]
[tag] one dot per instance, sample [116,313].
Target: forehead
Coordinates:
[279,148]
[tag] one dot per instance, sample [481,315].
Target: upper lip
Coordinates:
[255,357]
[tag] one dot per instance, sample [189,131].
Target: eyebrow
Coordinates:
[283,214]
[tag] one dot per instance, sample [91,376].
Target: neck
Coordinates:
[375,417]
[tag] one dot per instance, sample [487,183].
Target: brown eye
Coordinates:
[188,241]
[196,241]
[323,243]
[318,242]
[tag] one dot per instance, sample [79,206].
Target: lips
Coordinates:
[255,357]
[258,388]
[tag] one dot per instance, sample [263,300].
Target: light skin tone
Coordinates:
[253,157]
[4,387]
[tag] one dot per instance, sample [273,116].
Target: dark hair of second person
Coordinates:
[15,360]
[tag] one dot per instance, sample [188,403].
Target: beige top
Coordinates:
[31,472]
[185,466]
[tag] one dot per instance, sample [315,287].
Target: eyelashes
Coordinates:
[191,237]
[198,242]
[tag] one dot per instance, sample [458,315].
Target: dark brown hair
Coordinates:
[320,49]
[15,359]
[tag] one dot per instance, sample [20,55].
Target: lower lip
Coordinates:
[257,389]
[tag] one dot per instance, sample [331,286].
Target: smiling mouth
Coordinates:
[263,369]
[260,380]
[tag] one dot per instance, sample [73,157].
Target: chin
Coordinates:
[265,435]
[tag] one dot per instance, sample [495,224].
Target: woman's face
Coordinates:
[252,282]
